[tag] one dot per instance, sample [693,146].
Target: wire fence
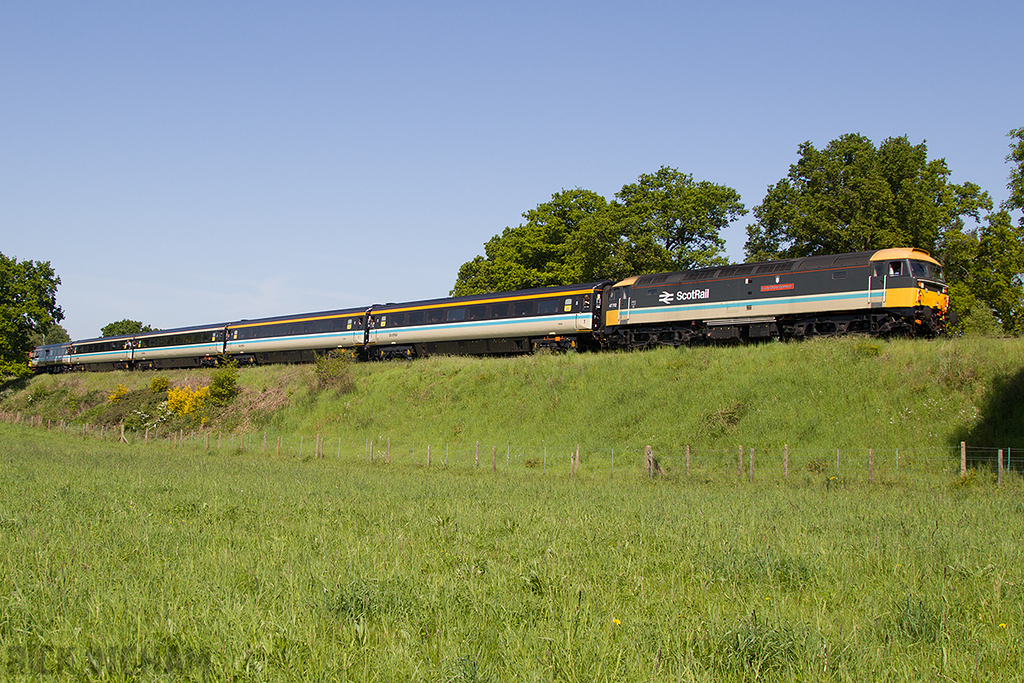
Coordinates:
[741,463]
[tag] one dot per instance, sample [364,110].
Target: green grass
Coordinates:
[919,397]
[133,562]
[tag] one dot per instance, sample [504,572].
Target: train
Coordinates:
[886,292]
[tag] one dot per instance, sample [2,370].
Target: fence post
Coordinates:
[739,467]
[428,456]
[264,443]
[785,461]
[963,458]
[999,482]
[371,450]
[576,462]
[494,458]
[206,445]
[871,465]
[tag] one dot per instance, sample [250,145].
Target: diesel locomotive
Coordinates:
[883,292]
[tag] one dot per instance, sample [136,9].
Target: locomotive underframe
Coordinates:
[918,321]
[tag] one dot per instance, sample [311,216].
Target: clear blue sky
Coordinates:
[194,162]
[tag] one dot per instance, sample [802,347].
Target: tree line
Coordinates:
[849,196]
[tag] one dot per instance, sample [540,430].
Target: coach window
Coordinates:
[435,315]
[548,306]
[499,310]
[523,309]
[415,318]
[455,314]
[476,313]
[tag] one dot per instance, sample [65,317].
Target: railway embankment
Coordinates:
[824,395]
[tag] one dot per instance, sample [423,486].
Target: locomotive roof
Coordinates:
[860,258]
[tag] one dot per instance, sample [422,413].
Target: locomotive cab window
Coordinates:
[895,268]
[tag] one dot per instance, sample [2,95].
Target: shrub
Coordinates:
[332,371]
[186,400]
[117,394]
[159,384]
[224,384]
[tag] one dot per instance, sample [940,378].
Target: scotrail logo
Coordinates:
[692,295]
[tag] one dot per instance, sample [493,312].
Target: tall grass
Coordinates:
[130,563]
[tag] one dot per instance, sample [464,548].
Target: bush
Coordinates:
[159,385]
[224,385]
[332,371]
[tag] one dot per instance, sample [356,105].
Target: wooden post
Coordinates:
[218,440]
[739,467]
[371,451]
[999,481]
[428,456]
[785,462]
[687,459]
[577,461]
[124,440]
[871,465]
[264,443]
[206,445]
[494,458]
[319,447]
[963,458]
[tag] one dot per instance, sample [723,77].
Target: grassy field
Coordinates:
[126,562]
[215,559]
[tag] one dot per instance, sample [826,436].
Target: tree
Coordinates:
[538,253]
[679,221]
[851,196]
[28,304]
[56,334]
[664,221]
[125,326]
[1016,184]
